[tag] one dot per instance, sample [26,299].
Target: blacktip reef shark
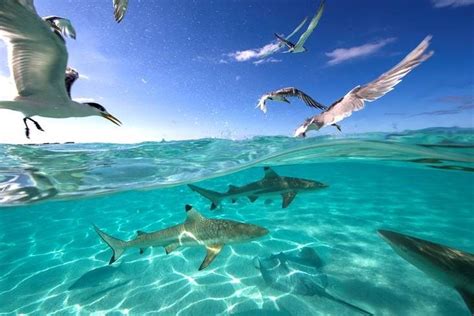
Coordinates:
[271,184]
[449,266]
[300,274]
[196,230]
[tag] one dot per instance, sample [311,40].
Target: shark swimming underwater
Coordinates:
[271,184]
[196,230]
[449,266]
[301,275]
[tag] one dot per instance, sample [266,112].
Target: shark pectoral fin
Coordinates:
[234,200]
[252,198]
[288,198]
[142,250]
[140,232]
[212,252]
[171,247]
[213,206]
[468,298]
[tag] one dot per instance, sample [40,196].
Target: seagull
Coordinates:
[37,59]
[275,47]
[355,99]
[120,7]
[281,95]
[298,47]
[61,26]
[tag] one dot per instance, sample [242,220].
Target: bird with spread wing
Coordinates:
[355,99]
[37,57]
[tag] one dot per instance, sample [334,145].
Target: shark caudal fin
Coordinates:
[118,246]
[213,196]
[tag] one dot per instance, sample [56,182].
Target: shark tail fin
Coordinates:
[213,196]
[118,246]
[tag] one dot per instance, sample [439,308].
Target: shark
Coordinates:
[196,230]
[271,184]
[449,266]
[300,274]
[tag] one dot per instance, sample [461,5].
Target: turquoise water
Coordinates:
[52,261]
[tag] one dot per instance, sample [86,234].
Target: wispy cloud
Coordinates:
[451,3]
[462,103]
[266,61]
[340,55]
[255,53]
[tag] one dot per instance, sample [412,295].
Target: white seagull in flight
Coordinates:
[37,59]
[120,7]
[299,46]
[355,99]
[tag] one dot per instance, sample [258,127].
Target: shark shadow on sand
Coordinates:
[300,274]
[271,184]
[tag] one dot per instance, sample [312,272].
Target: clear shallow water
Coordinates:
[51,259]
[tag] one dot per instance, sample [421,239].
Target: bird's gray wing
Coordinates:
[312,25]
[284,41]
[37,57]
[355,99]
[296,29]
[120,7]
[293,92]
[71,76]
[28,4]
[62,25]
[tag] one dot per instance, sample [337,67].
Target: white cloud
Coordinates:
[449,3]
[340,55]
[256,53]
[84,100]
[266,61]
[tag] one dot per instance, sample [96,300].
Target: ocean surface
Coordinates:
[52,261]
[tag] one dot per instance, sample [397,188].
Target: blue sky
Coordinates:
[172,68]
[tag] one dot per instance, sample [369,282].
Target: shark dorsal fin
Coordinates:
[270,173]
[232,188]
[192,215]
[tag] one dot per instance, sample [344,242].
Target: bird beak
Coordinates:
[111,118]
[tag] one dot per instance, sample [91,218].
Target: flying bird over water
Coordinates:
[120,7]
[61,26]
[299,46]
[283,94]
[355,99]
[37,59]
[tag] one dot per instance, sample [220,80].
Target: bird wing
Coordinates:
[284,41]
[37,57]
[71,76]
[120,7]
[262,103]
[355,99]
[312,25]
[62,25]
[293,92]
[28,4]
[297,29]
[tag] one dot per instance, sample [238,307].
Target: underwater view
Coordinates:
[320,249]
[236,157]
